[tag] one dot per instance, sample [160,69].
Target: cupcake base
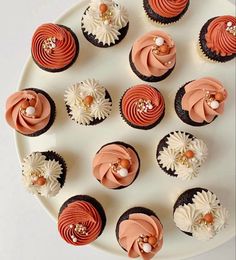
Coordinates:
[146,78]
[126,146]
[183,114]
[52,116]
[163,144]
[95,121]
[160,19]
[50,155]
[73,60]
[90,200]
[206,51]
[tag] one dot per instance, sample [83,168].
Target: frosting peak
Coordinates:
[154,54]
[201,100]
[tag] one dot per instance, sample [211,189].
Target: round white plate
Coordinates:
[153,188]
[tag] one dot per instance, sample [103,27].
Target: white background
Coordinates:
[26,231]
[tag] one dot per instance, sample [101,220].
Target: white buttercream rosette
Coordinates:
[194,217]
[172,157]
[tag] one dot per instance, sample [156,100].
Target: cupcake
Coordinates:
[217,38]
[142,107]
[153,56]
[30,112]
[54,47]
[116,165]
[198,213]
[140,233]
[165,11]
[44,173]
[105,23]
[199,102]
[88,102]
[81,220]
[181,155]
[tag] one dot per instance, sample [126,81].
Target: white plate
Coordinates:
[153,188]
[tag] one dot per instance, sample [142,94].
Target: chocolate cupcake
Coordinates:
[81,220]
[217,38]
[153,56]
[116,165]
[140,233]
[181,155]
[30,112]
[44,173]
[54,47]
[165,11]
[88,102]
[198,213]
[199,102]
[142,107]
[105,23]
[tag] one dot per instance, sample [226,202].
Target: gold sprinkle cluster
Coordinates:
[231,28]
[49,45]
[143,105]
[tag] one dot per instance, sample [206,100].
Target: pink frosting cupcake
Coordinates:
[200,101]
[153,56]
[116,165]
[30,112]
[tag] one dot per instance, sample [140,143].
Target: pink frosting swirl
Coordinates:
[146,61]
[196,103]
[168,8]
[220,40]
[110,155]
[82,213]
[130,108]
[140,224]
[19,120]
[60,56]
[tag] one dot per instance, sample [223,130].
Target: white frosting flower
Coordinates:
[33,163]
[81,115]
[206,201]
[94,4]
[203,232]
[52,170]
[107,34]
[185,217]
[91,87]
[221,216]
[120,16]
[167,158]
[200,150]
[186,173]
[72,95]
[90,22]
[50,189]
[178,141]
[101,108]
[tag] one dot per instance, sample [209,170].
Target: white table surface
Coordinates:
[26,231]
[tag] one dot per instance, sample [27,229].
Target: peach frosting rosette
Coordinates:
[204,99]
[28,111]
[154,54]
[141,235]
[115,165]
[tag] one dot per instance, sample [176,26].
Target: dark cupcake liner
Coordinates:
[126,146]
[136,126]
[184,114]
[90,200]
[160,19]
[92,38]
[95,121]
[212,55]
[146,78]
[51,155]
[163,144]
[186,198]
[73,60]
[130,211]
[52,116]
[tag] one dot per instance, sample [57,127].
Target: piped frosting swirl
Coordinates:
[108,169]
[79,223]
[154,54]
[168,8]
[142,105]
[204,99]
[221,35]
[53,47]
